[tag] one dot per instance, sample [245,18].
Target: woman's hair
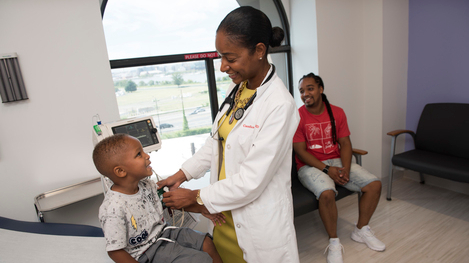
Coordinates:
[328,105]
[249,26]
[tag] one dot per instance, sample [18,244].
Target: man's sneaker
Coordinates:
[366,235]
[335,251]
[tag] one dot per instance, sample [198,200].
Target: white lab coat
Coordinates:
[257,188]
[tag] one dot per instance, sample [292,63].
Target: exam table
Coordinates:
[51,242]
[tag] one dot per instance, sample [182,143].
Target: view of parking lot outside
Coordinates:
[176,94]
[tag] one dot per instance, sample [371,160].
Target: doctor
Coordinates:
[249,151]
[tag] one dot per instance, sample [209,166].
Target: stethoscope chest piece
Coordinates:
[239,114]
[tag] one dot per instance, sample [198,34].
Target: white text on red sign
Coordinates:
[201,55]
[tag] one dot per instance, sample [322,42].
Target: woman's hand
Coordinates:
[215,218]
[174,181]
[339,175]
[180,198]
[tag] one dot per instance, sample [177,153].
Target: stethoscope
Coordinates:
[230,99]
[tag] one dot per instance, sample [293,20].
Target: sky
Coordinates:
[142,28]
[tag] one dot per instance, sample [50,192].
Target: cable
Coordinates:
[173,214]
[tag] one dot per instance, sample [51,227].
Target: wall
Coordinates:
[438,55]
[45,142]
[438,64]
[371,133]
[395,65]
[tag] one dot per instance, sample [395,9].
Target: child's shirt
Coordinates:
[132,222]
[316,132]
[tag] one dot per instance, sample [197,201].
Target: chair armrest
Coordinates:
[394,135]
[358,155]
[398,132]
[359,151]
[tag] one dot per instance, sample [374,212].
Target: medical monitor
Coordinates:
[143,128]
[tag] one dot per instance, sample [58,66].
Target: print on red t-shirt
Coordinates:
[319,137]
[316,132]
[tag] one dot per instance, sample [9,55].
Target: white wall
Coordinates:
[359,69]
[45,142]
[395,66]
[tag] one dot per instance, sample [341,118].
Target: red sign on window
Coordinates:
[201,55]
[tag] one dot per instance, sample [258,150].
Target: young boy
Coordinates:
[131,215]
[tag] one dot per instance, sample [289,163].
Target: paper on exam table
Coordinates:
[18,246]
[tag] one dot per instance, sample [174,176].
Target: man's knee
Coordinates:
[373,187]
[327,196]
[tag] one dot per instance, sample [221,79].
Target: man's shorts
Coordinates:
[317,182]
[177,245]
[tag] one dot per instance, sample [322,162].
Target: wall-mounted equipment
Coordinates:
[11,81]
[143,128]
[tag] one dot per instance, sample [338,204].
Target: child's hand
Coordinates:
[220,218]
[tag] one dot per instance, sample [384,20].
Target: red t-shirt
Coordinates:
[316,131]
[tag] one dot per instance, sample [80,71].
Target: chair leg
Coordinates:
[422,179]
[388,196]
[359,160]
[393,147]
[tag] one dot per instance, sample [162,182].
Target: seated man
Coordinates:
[324,158]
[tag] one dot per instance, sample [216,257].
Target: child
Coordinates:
[131,215]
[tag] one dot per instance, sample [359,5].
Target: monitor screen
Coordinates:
[141,130]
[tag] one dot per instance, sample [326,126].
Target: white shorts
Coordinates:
[317,182]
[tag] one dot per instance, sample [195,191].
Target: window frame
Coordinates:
[209,64]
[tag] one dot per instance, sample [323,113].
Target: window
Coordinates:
[147,28]
[150,43]
[164,91]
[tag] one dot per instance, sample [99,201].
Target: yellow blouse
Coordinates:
[224,236]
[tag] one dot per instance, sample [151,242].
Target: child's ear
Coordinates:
[119,172]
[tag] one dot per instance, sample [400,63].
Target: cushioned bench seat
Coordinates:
[441,165]
[441,144]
